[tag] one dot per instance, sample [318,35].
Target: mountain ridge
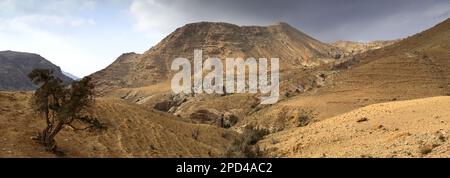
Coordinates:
[413,68]
[17,65]
[217,39]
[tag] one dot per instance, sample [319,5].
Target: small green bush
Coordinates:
[305,118]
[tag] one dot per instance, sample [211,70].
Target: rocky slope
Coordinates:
[15,66]
[132,131]
[294,48]
[416,67]
[413,128]
[351,48]
[363,105]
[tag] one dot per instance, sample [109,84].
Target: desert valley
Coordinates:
[343,99]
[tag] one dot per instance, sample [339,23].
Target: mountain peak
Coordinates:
[217,39]
[208,23]
[282,24]
[17,53]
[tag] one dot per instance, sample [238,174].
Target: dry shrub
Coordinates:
[245,145]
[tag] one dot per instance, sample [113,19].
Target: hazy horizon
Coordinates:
[83,37]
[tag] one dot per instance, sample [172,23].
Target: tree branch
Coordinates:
[77,129]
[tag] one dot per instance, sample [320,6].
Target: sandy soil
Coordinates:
[132,132]
[414,128]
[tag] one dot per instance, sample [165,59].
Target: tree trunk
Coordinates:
[48,136]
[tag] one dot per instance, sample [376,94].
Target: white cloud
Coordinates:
[152,17]
[44,27]
[7,5]
[59,49]
[157,18]
[46,6]
[438,10]
[82,22]
[29,22]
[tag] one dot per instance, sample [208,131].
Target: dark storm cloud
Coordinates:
[328,20]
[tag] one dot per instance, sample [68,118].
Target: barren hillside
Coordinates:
[131,132]
[416,67]
[351,48]
[294,48]
[143,79]
[413,128]
[385,100]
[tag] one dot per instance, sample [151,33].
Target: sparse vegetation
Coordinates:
[229,122]
[274,141]
[442,138]
[351,94]
[226,135]
[425,149]
[60,106]
[245,145]
[92,122]
[345,65]
[195,133]
[305,117]
[337,56]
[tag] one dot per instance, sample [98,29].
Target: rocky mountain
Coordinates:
[413,68]
[294,49]
[15,66]
[382,100]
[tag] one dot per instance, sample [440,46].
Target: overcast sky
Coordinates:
[83,36]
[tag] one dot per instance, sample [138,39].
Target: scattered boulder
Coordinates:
[165,106]
[213,117]
[204,116]
[364,119]
[425,149]
[171,104]
[227,120]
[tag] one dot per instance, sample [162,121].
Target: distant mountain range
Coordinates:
[70,75]
[15,66]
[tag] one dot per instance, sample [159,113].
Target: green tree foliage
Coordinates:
[59,105]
